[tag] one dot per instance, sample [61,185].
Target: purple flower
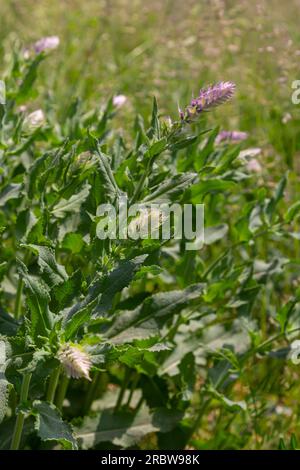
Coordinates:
[47,43]
[208,98]
[232,136]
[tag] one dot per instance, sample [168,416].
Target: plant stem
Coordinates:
[18,302]
[140,185]
[91,392]
[122,390]
[133,387]
[16,439]
[52,385]
[61,392]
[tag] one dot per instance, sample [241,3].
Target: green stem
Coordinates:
[52,385]
[61,392]
[197,422]
[18,302]
[122,390]
[92,390]
[16,439]
[133,387]
[140,185]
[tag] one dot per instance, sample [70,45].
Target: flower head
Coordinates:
[254,166]
[208,98]
[75,361]
[47,43]
[34,120]
[232,136]
[119,100]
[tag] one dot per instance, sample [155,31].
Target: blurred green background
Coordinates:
[169,49]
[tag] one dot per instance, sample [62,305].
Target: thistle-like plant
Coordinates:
[167,338]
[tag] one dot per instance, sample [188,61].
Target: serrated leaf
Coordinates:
[53,272]
[124,429]
[102,290]
[72,205]
[172,188]
[153,311]
[115,281]
[64,293]
[50,426]
[37,296]
[107,178]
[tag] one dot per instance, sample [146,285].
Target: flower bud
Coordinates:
[47,43]
[34,120]
[76,362]
[119,100]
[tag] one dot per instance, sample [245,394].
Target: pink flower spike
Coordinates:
[231,136]
[47,43]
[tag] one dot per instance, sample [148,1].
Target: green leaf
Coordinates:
[292,212]
[183,143]
[154,130]
[199,190]
[34,173]
[102,290]
[72,205]
[230,405]
[8,325]
[110,187]
[157,147]
[29,79]
[12,191]
[153,311]
[37,296]
[64,293]
[171,189]
[73,242]
[29,228]
[115,281]
[213,234]
[124,429]
[53,273]
[50,426]
[279,193]
[206,150]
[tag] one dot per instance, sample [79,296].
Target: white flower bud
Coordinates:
[119,100]
[34,120]
[75,361]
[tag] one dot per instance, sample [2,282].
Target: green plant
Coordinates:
[123,343]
